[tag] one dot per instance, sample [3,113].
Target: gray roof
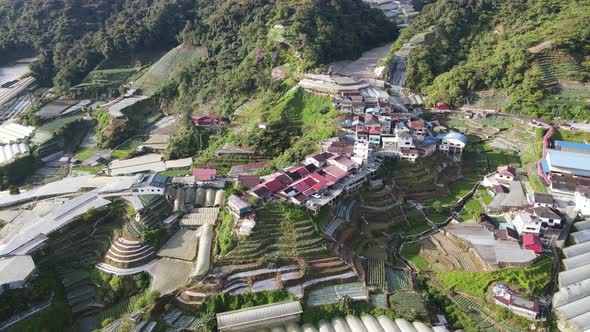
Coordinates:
[15,269]
[237,202]
[581,236]
[577,249]
[545,212]
[582,225]
[543,198]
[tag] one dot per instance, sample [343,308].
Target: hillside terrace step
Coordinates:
[130,255]
[129,251]
[147,255]
[183,301]
[127,242]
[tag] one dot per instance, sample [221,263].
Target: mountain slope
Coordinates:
[483,44]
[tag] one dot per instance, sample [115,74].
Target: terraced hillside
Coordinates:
[559,67]
[166,68]
[280,231]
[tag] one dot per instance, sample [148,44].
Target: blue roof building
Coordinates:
[572,147]
[453,135]
[566,162]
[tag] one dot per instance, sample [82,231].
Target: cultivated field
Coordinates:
[166,68]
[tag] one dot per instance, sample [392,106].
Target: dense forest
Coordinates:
[73,36]
[483,44]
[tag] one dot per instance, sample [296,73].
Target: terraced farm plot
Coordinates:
[559,67]
[166,68]
[376,273]
[408,303]
[279,233]
[396,279]
[120,309]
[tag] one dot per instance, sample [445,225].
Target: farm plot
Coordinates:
[376,273]
[330,294]
[281,231]
[409,303]
[120,309]
[396,279]
[166,67]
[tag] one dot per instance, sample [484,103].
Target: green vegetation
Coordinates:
[481,45]
[472,210]
[411,252]
[344,307]
[225,238]
[85,153]
[166,68]
[531,280]
[283,230]
[410,305]
[126,149]
[55,318]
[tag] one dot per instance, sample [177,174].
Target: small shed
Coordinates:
[205,174]
[532,242]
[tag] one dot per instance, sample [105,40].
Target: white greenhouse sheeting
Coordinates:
[10,152]
[14,133]
[366,323]
[67,185]
[259,317]
[39,227]
[571,303]
[576,249]
[204,253]
[581,236]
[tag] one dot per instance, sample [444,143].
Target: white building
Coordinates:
[453,144]
[361,150]
[524,223]
[582,200]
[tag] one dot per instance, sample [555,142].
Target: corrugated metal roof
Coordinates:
[572,145]
[566,159]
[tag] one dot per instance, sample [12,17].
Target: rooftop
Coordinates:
[572,145]
[566,159]
[15,269]
[257,316]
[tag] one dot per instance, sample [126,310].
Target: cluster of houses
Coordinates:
[531,219]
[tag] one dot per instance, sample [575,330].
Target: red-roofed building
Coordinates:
[249,181]
[274,186]
[442,106]
[532,242]
[205,174]
[209,120]
[342,162]
[418,128]
[362,134]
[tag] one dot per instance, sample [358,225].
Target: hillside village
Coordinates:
[388,212]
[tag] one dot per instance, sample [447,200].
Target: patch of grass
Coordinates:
[485,196]
[471,209]
[437,217]
[417,230]
[126,149]
[537,184]
[88,169]
[532,279]
[85,153]
[411,252]
[176,172]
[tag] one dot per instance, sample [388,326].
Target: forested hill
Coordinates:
[475,45]
[73,36]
